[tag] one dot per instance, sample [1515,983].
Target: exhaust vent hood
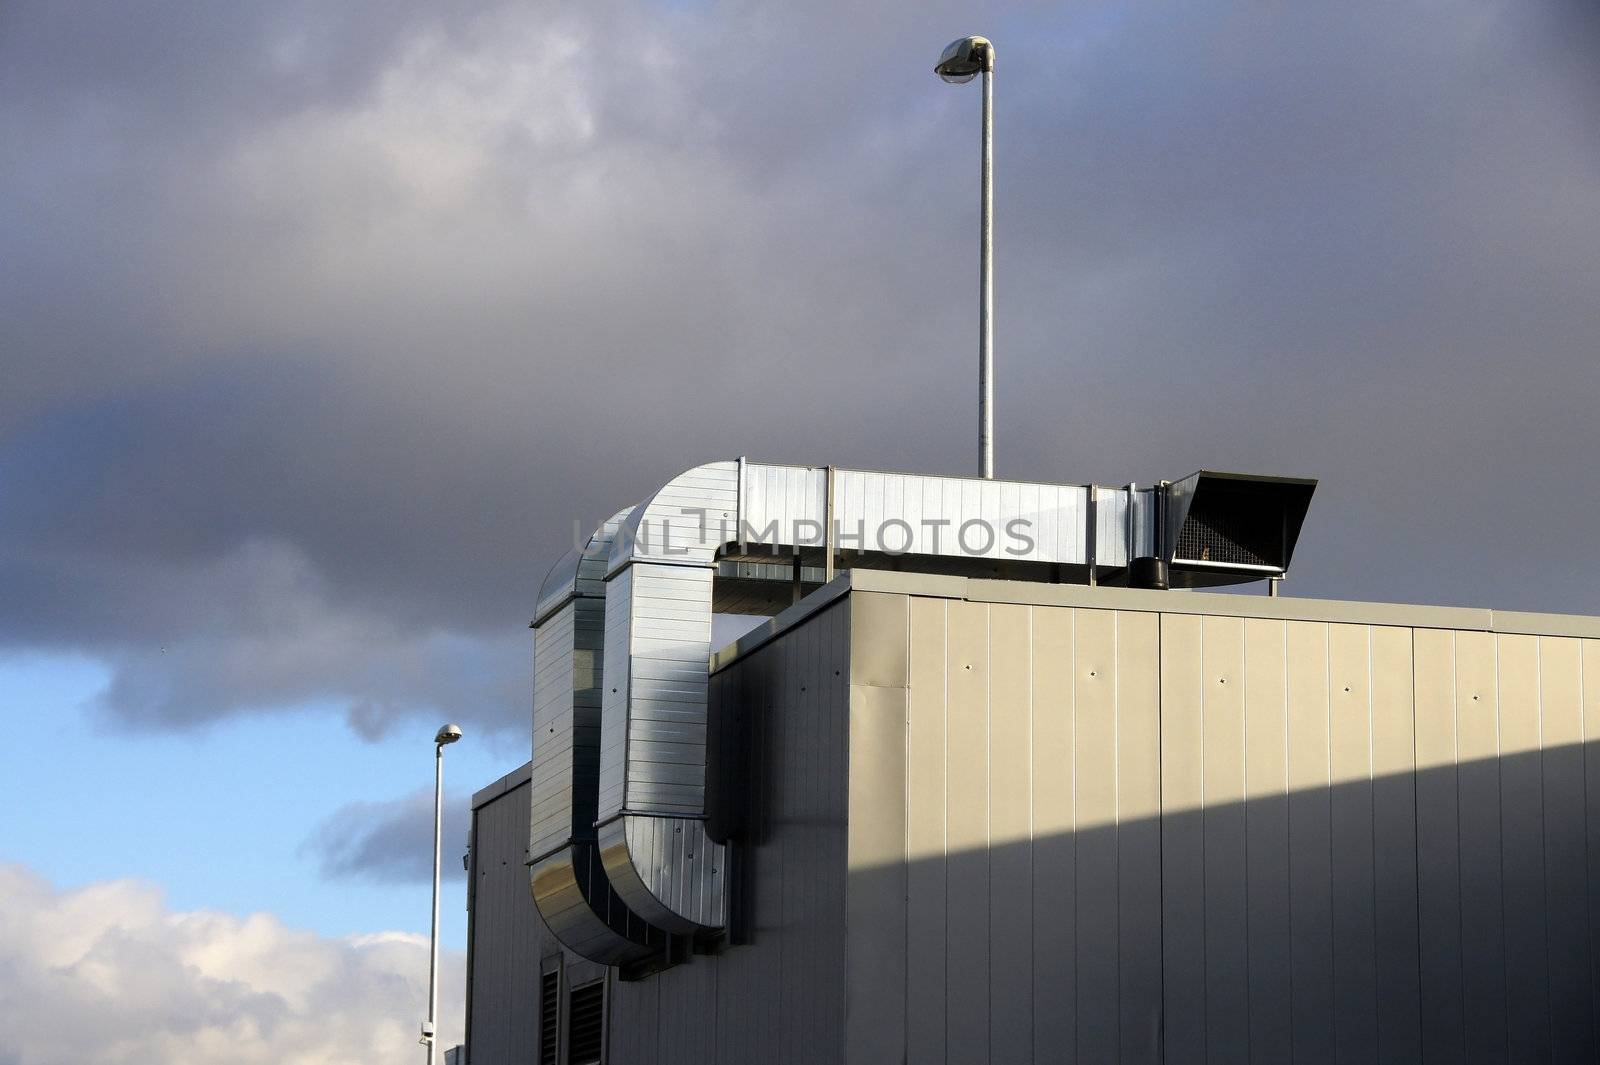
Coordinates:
[1220,526]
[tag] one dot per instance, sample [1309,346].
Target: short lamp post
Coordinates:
[447,735]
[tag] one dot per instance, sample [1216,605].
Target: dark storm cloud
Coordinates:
[322,326]
[390,842]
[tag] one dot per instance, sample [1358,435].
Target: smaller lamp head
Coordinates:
[448,734]
[965,59]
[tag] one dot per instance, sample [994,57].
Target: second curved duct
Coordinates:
[569,883]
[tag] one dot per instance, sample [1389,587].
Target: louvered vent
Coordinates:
[549,1017]
[586,1024]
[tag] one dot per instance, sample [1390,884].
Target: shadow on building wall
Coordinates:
[1448,915]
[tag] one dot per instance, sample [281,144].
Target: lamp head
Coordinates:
[448,734]
[965,59]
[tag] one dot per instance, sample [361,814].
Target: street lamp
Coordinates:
[962,61]
[446,735]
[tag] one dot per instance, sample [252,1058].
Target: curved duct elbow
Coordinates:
[658,612]
[569,884]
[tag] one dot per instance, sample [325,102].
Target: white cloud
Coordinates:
[107,974]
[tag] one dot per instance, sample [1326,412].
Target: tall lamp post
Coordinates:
[962,61]
[447,735]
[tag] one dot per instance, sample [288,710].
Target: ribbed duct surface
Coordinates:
[569,883]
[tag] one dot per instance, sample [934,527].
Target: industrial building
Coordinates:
[999,781]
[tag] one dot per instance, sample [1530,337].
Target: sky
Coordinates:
[321,326]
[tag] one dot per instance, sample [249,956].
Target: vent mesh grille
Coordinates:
[1230,534]
[549,1017]
[586,1022]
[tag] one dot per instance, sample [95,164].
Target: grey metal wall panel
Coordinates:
[1355,978]
[1482,886]
[926,896]
[1310,845]
[1306,841]
[1438,848]
[1561,676]
[507,938]
[875,964]
[1095,754]
[966,932]
[1182,841]
[1054,880]
[1590,668]
[1032,889]
[1011,1004]
[1526,897]
[1394,847]
[1223,827]
[1266,728]
[1139,836]
[1073,833]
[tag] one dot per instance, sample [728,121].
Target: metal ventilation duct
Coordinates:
[569,884]
[706,539]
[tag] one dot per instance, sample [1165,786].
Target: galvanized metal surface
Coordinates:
[657,644]
[689,520]
[667,870]
[568,879]
[653,747]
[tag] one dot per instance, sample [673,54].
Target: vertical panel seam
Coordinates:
[1033,968]
[1072,678]
[1588,884]
[1288,819]
[1416,839]
[1500,798]
[905,827]
[1205,910]
[1244,811]
[1544,844]
[1116,810]
[944,821]
[988,820]
[1327,776]
[1461,904]
[1372,844]
[1161,840]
